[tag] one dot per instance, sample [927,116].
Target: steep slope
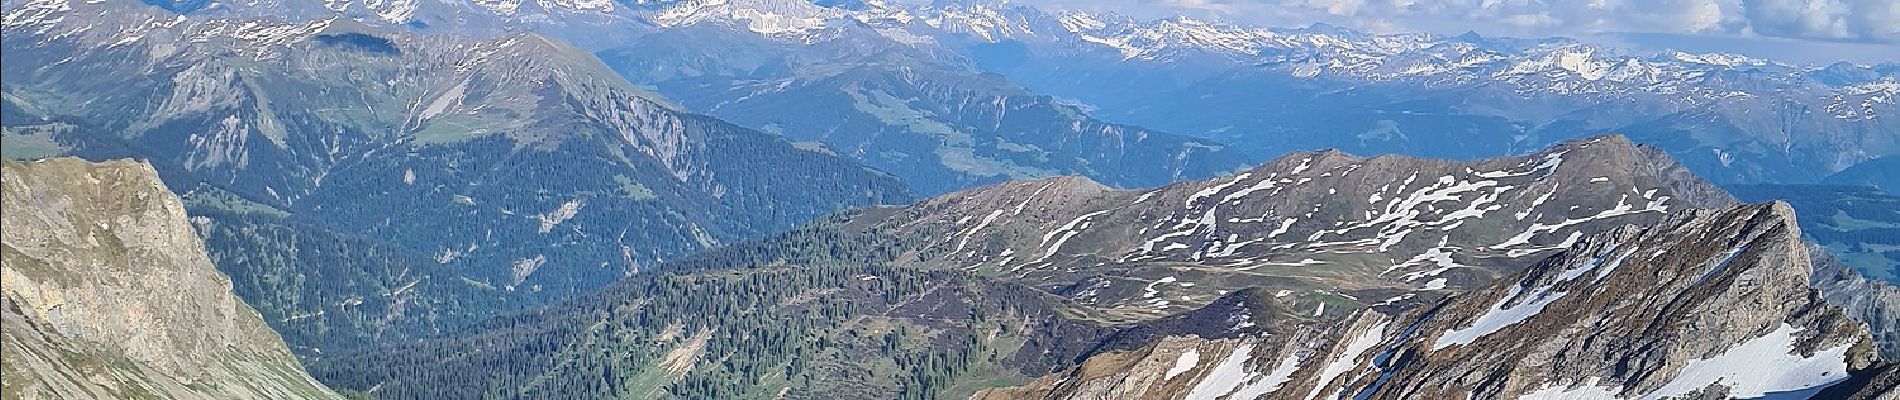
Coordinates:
[328,290]
[1705,304]
[109,294]
[1853,237]
[522,166]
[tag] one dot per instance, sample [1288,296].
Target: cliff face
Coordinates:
[1704,304]
[109,294]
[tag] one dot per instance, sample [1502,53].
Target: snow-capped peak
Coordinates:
[772,18]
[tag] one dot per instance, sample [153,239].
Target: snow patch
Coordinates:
[1500,316]
[1185,362]
[1760,366]
[1348,358]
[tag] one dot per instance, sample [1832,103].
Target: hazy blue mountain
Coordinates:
[1729,118]
[1883,173]
[937,126]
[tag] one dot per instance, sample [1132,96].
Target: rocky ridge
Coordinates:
[1704,304]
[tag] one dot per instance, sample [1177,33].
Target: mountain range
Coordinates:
[955,199]
[1253,92]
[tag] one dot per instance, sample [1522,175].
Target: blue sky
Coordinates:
[1800,31]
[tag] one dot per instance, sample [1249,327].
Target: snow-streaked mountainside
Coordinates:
[1321,228]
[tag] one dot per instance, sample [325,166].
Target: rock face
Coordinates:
[109,294]
[1704,304]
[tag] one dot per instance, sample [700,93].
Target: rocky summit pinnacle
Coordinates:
[109,294]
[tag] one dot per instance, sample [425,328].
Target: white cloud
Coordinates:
[1830,19]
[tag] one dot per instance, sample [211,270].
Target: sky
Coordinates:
[1798,31]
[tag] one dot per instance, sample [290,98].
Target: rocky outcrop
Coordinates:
[109,294]
[1704,304]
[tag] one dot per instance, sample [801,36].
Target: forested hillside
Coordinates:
[791,331]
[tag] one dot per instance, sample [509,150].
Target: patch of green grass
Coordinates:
[207,197]
[476,283]
[1840,220]
[633,190]
[987,370]
[815,147]
[897,112]
[29,144]
[34,268]
[957,151]
[964,159]
[458,128]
